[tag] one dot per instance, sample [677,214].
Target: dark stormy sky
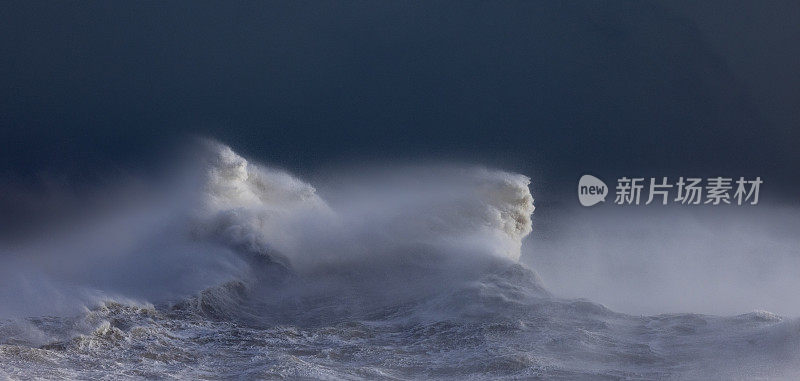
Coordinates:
[553,89]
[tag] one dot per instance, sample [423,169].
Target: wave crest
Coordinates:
[266,211]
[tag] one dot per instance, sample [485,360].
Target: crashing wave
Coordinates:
[266,211]
[249,207]
[403,276]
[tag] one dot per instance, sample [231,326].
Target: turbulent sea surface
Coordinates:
[246,272]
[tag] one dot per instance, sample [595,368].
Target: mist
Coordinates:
[164,237]
[426,257]
[217,218]
[652,260]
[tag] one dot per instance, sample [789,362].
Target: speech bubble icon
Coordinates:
[591,190]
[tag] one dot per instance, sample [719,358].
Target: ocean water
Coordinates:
[244,271]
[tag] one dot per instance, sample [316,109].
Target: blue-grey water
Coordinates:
[414,274]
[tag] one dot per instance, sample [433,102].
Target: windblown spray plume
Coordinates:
[242,270]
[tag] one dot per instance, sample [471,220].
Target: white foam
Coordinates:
[267,211]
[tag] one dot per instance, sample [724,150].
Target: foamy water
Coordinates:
[245,271]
